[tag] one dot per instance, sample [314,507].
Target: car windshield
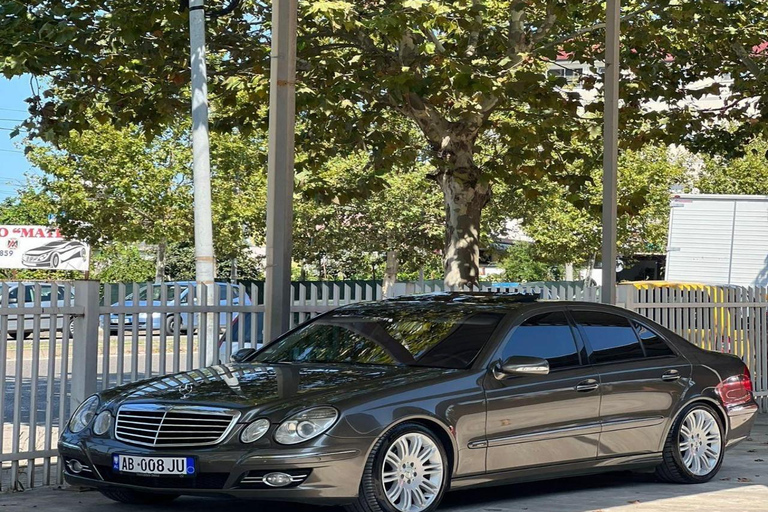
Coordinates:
[156,293]
[445,338]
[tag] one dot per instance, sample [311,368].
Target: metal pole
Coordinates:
[204,259]
[282,119]
[610,149]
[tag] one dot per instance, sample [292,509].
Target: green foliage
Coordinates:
[349,235]
[122,263]
[28,206]
[566,224]
[180,264]
[110,185]
[745,174]
[521,265]
[469,75]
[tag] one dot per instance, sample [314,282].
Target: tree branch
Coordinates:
[474,35]
[748,61]
[597,26]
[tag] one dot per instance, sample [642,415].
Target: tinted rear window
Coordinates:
[654,344]
[446,338]
[611,336]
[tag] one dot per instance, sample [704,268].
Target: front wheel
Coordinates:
[137,498]
[406,472]
[694,448]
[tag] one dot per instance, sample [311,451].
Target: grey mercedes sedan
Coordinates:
[385,406]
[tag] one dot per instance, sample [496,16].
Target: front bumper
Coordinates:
[333,467]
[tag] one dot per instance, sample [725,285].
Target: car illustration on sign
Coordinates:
[54,253]
[384,406]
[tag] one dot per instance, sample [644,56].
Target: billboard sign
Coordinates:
[41,247]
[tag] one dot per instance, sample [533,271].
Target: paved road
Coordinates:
[741,486]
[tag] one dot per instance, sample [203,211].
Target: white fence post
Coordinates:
[85,343]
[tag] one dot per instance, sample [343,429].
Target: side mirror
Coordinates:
[521,365]
[242,354]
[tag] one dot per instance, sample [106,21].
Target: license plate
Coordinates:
[179,466]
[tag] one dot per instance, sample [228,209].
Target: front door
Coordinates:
[543,419]
[642,380]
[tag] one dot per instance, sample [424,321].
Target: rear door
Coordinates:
[543,419]
[642,379]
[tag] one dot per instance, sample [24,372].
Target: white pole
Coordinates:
[610,149]
[204,258]
[282,121]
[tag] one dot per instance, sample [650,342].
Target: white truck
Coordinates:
[718,239]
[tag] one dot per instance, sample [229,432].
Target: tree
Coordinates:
[521,264]
[470,75]
[565,225]
[110,185]
[400,219]
[745,174]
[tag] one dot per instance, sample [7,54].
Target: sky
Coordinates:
[13,109]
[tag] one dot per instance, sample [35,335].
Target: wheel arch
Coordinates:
[700,399]
[441,430]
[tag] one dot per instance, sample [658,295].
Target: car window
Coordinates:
[45,293]
[388,336]
[653,343]
[611,336]
[548,336]
[29,294]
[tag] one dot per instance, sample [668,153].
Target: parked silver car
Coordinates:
[33,296]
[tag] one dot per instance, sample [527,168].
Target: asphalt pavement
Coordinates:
[741,486]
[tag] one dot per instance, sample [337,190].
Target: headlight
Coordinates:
[103,423]
[306,425]
[84,414]
[254,431]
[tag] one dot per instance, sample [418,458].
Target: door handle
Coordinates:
[670,375]
[587,385]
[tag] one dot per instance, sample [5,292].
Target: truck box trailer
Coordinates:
[718,239]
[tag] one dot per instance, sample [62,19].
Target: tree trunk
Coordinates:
[569,271]
[233,270]
[464,202]
[390,275]
[160,261]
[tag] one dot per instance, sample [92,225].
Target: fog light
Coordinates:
[75,466]
[277,479]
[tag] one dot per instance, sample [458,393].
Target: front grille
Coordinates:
[166,426]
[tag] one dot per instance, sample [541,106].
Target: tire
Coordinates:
[695,446]
[55,260]
[170,324]
[137,498]
[375,491]
[71,327]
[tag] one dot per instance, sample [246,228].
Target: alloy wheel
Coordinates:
[412,472]
[700,442]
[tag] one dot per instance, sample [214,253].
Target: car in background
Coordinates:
[54,253]
[34,297]
[163,295]
[387,405]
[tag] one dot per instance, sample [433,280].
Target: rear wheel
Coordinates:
[406,472]
[137,498]
[694,448]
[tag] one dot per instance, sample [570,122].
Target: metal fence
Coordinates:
[60,342]
[729,319]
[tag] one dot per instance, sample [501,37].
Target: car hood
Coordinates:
[38,251]
[269,386]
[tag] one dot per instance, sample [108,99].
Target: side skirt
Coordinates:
[533,473]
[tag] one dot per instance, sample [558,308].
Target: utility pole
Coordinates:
[282,123]
[610,149]
[204,258]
